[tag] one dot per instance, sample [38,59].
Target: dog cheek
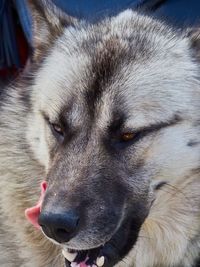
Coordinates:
[36,137]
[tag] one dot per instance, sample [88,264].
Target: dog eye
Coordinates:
[57,130]
[127,137]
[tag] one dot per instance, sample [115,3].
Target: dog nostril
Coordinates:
[61,231]
[60,226]
[62,234]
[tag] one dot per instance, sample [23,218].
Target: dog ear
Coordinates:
[194,36]
[48,22]
[149,5]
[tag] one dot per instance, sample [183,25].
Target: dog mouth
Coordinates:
[110,253]
[84,258]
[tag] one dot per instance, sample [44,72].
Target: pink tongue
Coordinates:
[32,214]
[82,264]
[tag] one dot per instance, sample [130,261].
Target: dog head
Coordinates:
[114,110]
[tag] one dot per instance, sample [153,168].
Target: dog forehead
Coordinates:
[58,80]
[109,60]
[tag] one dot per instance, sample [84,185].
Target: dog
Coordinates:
[106,118]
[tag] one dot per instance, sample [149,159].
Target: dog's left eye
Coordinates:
[127,137]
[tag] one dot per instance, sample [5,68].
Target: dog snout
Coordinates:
[59,226]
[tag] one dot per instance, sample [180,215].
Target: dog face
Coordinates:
[114,113]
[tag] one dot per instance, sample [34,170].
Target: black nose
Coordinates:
[59,226]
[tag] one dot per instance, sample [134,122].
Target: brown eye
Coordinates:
[127,137]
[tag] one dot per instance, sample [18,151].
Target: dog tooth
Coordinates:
[69,256]
[100,261]
[74,264]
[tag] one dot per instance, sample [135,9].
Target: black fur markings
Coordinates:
[197,264]
[104,66]
[160,185]
[193,143]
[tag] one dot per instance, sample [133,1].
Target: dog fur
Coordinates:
[131,64]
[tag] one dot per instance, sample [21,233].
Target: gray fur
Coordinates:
[129,73]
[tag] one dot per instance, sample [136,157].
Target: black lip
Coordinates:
[67,263]
[122,242]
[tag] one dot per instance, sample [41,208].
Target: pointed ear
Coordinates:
[48,22]
[194,36]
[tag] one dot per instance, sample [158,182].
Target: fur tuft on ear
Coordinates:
[48,22]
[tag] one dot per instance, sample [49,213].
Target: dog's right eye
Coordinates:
[57,128]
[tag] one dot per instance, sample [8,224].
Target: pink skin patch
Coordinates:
[32,214]
[82,264]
